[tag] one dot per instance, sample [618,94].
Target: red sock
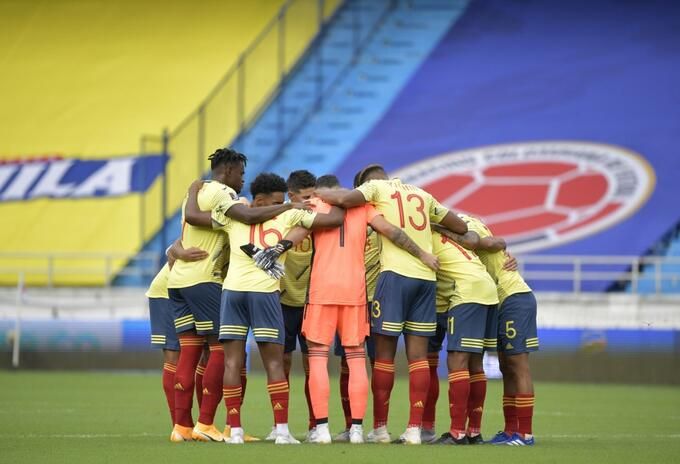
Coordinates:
[169,387]
[191,347]
[344,392]
[212,384]
[476,402]
[200,371]
[278,393]
[418,386]
[381,385]
[525,413]
[510,414]
[433,392]
[459,392]
[232,400]
[308,397]
[244,383]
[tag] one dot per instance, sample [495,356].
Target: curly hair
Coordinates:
[226,156]
[267,183]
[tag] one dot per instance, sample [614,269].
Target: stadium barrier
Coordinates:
[59,268]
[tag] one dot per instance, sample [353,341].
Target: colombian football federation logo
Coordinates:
[538,194]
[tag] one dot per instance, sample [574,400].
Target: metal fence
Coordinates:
[651,274]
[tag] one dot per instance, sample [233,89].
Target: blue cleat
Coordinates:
[517,440]
[500,438]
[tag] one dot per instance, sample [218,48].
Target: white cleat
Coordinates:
[272,434]
[379,435]
[427,436]
[410,437]
[356,434]
[286,439]
[311,435]
[236,437]
[342,437]
[322,435]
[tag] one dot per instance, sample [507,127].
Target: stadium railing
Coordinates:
[232,107]
[576,271]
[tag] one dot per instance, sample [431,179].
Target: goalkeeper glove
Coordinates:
[269,256]
[276,271]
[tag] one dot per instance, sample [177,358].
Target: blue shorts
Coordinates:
[403,304]
[434,345]
[292,321]
[491,331]
[466,327]
[338,350]
[163,333]
[196,307]
[257,310]
[517,331]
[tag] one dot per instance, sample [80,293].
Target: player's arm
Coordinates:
[453,223]
[403,241]
[334,218]
[510,263]
[469,239]
[297,234]
[177,251]
[343,198]
[238,211]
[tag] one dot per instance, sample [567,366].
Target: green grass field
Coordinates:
[121,417]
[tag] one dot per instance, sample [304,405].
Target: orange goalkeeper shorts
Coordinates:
[321,322]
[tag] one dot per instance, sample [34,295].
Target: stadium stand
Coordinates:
[88,97]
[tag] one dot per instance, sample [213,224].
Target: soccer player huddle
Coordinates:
[351,268]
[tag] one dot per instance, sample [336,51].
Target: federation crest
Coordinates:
[538,194]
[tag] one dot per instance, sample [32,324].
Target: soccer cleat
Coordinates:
[447,439]
[410,437]
[180,434]
[285,439]
[356,434]
[311,435]
[475,440]
[342,437]
[236,437]
[206,433]
[246,437]
[427,435]
[379,435]
[321,435]
[500,438]
[517,440]
[272,434]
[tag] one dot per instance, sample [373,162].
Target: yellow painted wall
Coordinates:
[87,78]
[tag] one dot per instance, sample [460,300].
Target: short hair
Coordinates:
[267,183]
[226,156]
[328,181]
[302,179]
[356,182]
[369,169]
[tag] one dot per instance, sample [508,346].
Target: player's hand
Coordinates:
[300,205]
[196,186]
[193,254]
[510,262]
[430,260]
[269,256]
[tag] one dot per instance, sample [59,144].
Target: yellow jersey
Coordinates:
[372,261]
[412,209]
[186,274]
[462,277]
[507,282]
[159,284]
[295,283]
[243,274]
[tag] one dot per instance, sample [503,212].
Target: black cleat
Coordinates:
[476,440]
[447,439]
